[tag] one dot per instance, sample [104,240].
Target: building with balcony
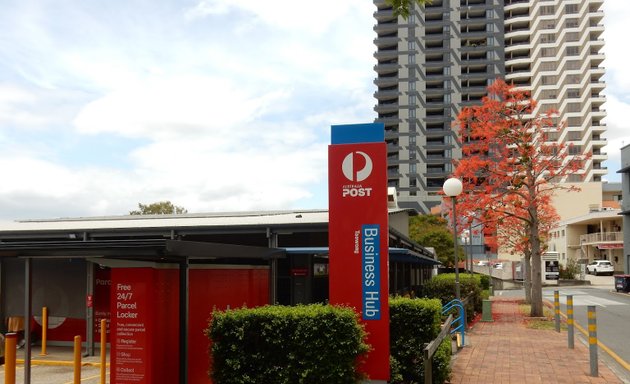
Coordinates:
[590,231]
[625,205]
[443,57]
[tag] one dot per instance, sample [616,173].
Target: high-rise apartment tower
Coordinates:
[446,53]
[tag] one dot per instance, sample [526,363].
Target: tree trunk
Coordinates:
[536,304]
[527,277]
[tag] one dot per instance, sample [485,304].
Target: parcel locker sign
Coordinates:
[359,233]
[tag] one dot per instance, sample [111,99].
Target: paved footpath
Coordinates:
[506,351]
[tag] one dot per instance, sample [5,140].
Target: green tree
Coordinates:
[403,7]
[158,208]
[432,231]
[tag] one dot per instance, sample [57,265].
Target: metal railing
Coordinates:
[429,350]
[601,237]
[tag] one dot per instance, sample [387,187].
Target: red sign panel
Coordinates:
[131,310]
[358,241]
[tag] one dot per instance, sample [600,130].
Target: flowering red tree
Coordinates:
[510,164]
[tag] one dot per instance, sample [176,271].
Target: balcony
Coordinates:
[602,238]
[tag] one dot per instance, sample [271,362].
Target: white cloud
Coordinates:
[168,108]
[617,56]
[217,104]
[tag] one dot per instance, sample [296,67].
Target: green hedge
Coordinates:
[279,344]
[414,323]
[443,287]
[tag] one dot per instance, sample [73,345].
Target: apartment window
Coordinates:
[573,64]
[412,140]
[548,38]
[412,59]
[412,85]
[548,95]
[548,52]
[548,65]
[573,51]
[570,8]
[551,136]
[412,113]
[573,79]
[571,23]
[546,80]
[411,45]
[573,36]
[412,100]
[573,93]
[574,178]
[547,24]
[575,150]
[574,107]
[547,10]
[574,121]
[574,135]
[412,168]
[412,19]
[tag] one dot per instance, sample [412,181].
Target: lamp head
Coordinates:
[453,187]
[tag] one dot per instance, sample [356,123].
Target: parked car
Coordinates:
[600,267]
[482,263]
[498,266]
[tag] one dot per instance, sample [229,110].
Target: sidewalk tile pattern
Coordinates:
[507,352]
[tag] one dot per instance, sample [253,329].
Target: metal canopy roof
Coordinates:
[160,250]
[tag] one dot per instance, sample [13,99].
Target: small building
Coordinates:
[155,279]
[590,227]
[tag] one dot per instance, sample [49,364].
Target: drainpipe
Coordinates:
[272,239]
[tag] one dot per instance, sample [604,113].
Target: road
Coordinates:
[612,313]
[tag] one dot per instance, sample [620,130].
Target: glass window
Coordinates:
[570,8]
[573,93]
[548,38]
[548,52]
[547,10]
[573,51]
[571,23]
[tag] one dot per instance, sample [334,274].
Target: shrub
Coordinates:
[414,323]
[278,344]
[443,287]
[571,270]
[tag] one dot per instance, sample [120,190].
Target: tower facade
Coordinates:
[446,53]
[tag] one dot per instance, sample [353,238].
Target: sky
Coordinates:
[214,105]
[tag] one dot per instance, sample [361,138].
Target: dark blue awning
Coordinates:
[395,254]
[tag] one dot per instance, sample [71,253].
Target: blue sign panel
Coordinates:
[371,279]
[358,133]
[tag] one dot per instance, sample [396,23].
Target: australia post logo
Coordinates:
[356,167]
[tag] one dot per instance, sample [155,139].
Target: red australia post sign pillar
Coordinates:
[359,234]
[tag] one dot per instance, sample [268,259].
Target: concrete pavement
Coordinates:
[57,367]
[506,351]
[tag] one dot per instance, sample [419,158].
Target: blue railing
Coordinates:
[459,323]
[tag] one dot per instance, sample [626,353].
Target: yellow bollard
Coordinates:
[103,349]
[77,360]
[44,330]
[10,346]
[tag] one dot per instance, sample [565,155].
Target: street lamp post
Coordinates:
[452,188]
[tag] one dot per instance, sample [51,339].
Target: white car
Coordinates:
[600,266]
